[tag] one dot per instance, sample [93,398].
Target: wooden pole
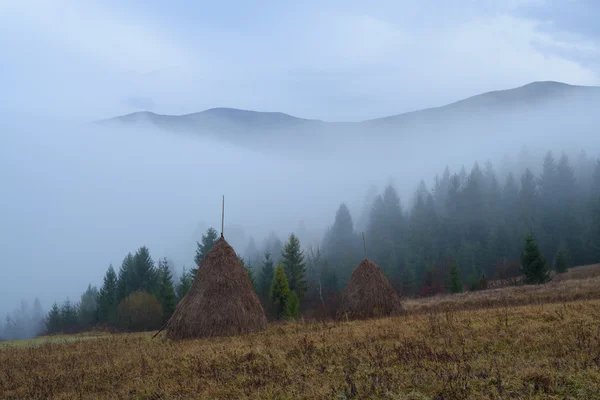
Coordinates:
[223,216]
[364,245]
[160,330]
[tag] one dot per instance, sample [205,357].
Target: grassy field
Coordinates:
[535,343]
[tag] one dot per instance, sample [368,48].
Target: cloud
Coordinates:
[341,61]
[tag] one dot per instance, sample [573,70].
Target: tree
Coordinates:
[88,307]
[249,270]
[483,282]
[292,259]
[145,275]
[166,292]
[140,311]
[454,284]
[208,241]
[107,300]
[292,306]
[126,273]
[53,321]
[185,283]
[533,264]
[69,317]
[561,262]
[280,291]
[37,318]
[340,241]
[265,277]
[594,234]
[528,199]
[251,254]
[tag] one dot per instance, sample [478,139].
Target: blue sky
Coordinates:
[333,60]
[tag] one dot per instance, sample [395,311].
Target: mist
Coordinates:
[78,197]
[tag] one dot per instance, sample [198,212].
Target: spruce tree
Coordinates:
[145,275]
[107,298]
[483,282]
[69,318]
[88,307]
[265,277]
[533,264]
[292,259]
[594,233]
[126,276]
[560,264]
[208,241]
[292,306]
[37,318]
[454,284]
[184,284]
[249,270]
[166,292]
[280,291]
[53,321]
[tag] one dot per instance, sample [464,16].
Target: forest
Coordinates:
[469,228]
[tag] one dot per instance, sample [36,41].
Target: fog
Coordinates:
[77,197]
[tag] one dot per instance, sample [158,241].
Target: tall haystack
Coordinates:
[369,294]
[221,301]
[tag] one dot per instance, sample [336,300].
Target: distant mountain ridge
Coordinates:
[532,93]
[547,108]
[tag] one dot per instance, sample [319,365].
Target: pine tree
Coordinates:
[483,282]
[184,284]
[208,241]
[37,318]
[88,307]
[166,292]
[528,200]
[560,264]
[265,277]
[145,276]
[341,240]
[249,270]
[454,284]
[280,291]
[533,264]
[126,276]
[107,298]
[69,318]
[594,233]
[292,259]
[292,306]
[53,321]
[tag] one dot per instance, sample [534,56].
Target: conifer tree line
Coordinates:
[469,228]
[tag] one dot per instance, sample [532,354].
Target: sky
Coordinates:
[77,198]
[337,60]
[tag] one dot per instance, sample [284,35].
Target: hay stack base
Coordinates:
[221,301]
[369,294]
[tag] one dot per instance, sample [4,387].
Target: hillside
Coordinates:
[229,121]
[522,342]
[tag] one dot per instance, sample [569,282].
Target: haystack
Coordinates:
[369,294]
[221,301]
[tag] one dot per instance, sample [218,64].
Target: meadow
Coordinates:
[540,342]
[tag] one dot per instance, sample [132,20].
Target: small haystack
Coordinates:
[221,301]
[369,294]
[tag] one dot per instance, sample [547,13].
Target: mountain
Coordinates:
[539,106]
[535,94]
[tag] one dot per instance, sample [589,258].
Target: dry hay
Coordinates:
[369,294]
[221,301]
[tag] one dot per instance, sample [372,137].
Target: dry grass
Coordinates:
[557,291]
[546,349]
